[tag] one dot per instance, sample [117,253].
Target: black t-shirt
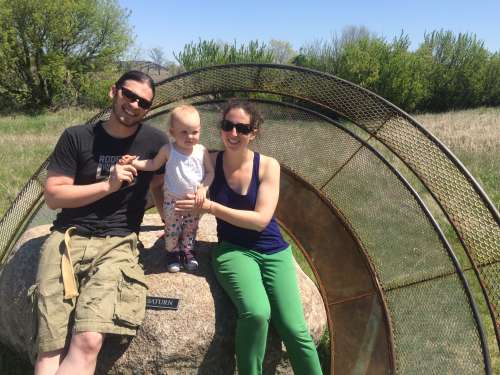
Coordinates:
[87,152]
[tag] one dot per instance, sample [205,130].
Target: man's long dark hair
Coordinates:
[136,75]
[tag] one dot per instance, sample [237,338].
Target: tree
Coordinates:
[403,75]
[282,51]
[327,55]
[351,34]
[457,70]
[362,57]
[210,52]
[491,93]
[158,57]
[48,47]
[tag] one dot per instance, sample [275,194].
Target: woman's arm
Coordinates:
[267,200]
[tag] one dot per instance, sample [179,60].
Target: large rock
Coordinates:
[198,338]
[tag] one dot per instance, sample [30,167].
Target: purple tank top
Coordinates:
[269,240]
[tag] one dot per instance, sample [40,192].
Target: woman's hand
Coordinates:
[189,204]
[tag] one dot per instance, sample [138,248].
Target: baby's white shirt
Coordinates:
[183,173]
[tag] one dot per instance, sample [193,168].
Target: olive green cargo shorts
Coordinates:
[110,283]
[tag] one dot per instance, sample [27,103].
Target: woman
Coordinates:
[252,261]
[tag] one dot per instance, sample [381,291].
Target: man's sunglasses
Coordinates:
[133,97]
[227,126]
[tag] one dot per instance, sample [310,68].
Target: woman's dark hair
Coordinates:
[136,75]
[256,119]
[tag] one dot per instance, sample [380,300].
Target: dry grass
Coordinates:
[474,137]
[472,130]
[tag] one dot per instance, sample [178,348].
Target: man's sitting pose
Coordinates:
[89,281]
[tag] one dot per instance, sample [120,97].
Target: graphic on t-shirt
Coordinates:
[106,162]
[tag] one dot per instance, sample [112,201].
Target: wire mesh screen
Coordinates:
[469,211]
[475,219]
[394,233]
[433,334]
[21,211]
[396,298]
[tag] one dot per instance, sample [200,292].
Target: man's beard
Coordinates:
[119,118]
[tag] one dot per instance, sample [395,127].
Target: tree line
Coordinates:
[446,71]
[68,52]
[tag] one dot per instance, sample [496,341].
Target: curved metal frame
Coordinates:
[450,156]
[478,190]
[338,213]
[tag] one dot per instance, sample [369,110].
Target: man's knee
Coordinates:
[89,343]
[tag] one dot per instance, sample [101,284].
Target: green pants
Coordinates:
[264,287]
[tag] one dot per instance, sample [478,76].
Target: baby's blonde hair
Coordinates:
[182,111]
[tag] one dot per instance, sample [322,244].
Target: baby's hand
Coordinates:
[127,159]
[199,198]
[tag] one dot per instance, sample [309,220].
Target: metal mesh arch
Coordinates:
[388,218]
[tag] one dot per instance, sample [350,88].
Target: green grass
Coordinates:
[26,142]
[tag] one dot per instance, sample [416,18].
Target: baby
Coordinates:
[188,169]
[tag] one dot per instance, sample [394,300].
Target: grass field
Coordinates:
[473,136]
[26,142]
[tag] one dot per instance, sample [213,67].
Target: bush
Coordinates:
[93,88]
[456,71]
[446,72]
[209,52]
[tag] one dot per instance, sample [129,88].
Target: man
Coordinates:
[89,280]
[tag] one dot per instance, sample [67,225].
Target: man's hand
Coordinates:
[120,174]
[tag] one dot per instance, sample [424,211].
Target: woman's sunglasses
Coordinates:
[133,97]
[227,126]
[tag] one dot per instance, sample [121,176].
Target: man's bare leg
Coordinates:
[47,363]
[82,354]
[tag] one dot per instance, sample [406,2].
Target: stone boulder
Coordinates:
[198,338]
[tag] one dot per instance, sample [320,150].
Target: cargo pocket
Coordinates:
[130,305]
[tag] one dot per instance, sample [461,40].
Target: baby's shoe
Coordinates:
[173,261]
[189,261]
[191,264]
[173,267]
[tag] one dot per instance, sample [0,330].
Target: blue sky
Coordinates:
[170,24]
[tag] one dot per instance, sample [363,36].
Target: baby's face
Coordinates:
[186,131]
